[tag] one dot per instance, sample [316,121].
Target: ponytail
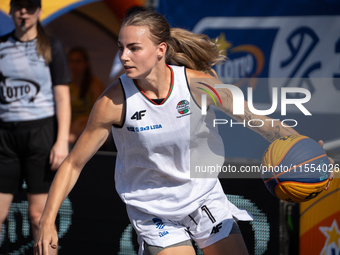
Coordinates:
[43,44]
[194,51]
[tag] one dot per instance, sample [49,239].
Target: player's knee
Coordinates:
[2,219]
[34,218]
[3,216]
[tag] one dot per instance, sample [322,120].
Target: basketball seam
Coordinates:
[292,196]
[271,158]
[290,148]
[286,191]
[306,183]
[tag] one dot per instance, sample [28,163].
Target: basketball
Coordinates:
[295,168]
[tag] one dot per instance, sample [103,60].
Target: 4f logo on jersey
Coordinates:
[138,115]
[216,229]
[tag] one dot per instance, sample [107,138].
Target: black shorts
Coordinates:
[24,155]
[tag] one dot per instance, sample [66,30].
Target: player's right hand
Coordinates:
[47,238]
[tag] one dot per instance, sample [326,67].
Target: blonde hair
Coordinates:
[43,44]
[194,51]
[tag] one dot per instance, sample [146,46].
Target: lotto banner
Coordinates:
[320,223]
[276,44]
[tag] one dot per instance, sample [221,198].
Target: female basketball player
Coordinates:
[35,110]
[160,133]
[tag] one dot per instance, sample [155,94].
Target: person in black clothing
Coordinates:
[35,110]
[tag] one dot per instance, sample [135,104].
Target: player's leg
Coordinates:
[214,227]
[10,176]
[184,248]
[37,170]
[36,204]
[233,245]
[5,203]
[178,250]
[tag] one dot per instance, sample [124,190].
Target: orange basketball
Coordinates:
[295,168]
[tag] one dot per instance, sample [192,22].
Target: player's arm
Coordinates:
[106,112]
[270,130]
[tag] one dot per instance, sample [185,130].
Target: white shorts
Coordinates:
[211,222]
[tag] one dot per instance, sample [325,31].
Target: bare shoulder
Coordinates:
[200,82]
[114,92]
[197,79]
[196,74]
[109,106]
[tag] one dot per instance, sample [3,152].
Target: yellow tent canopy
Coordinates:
[92,24]
[108,13]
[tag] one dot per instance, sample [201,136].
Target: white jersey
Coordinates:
[158,144]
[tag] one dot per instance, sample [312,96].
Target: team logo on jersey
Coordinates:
[160,225]
[183,108]
[12,90]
